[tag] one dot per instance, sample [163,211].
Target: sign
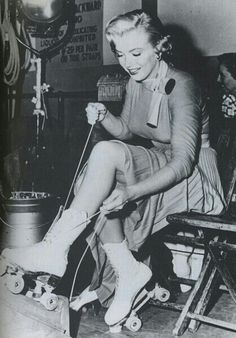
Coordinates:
[85,46]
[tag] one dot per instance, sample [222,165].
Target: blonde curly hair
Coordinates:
[123,23]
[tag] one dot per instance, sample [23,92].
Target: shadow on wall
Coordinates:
[185,55]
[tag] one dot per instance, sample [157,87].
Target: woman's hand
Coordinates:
[95,112]
[118,198]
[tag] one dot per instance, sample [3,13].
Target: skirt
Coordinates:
[201,192]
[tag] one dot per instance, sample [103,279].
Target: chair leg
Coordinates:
[201,286]
[218,258]
[204,299]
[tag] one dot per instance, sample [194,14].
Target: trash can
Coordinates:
[26,217]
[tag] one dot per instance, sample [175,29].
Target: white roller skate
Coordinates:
[132,321]
[131,277]
[37,270]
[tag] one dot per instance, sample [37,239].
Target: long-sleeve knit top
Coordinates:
[182,125]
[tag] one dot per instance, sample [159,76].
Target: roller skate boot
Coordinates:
[36,270]
[131,277]
[132,321]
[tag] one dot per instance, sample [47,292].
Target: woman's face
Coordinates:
[136,54]
[226,80]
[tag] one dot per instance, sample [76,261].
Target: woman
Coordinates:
[177,173]
[224,119]
[227,74]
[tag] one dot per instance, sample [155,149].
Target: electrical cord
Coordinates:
[28,51]
[10,48]
[10,40]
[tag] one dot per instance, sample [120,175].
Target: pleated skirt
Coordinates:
[201,192]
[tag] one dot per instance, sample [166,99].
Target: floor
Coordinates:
[23,317]
[156,322]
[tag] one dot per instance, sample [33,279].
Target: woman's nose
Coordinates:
[128,61]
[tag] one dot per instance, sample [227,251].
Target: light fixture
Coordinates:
[42,11]
[44,19]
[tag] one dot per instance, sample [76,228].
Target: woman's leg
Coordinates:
[131,276]
[106,158]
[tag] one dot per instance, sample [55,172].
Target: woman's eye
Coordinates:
[136,54]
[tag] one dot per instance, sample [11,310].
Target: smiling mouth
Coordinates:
[133,71]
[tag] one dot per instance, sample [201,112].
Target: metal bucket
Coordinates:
[26,217]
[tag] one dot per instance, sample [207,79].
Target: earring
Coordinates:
[158,56]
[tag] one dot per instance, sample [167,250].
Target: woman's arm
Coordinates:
[185,108]
[186,113]
[118,126]
[154,184]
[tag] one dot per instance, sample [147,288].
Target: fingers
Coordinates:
[95,112]
[114,202]
[92,114]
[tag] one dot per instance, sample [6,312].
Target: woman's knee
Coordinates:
[108,151]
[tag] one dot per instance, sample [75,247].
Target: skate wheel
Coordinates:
[164,295]
[15,283]
[161,294]
[133,324]
[49,301]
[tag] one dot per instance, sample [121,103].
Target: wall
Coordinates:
[211,23]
